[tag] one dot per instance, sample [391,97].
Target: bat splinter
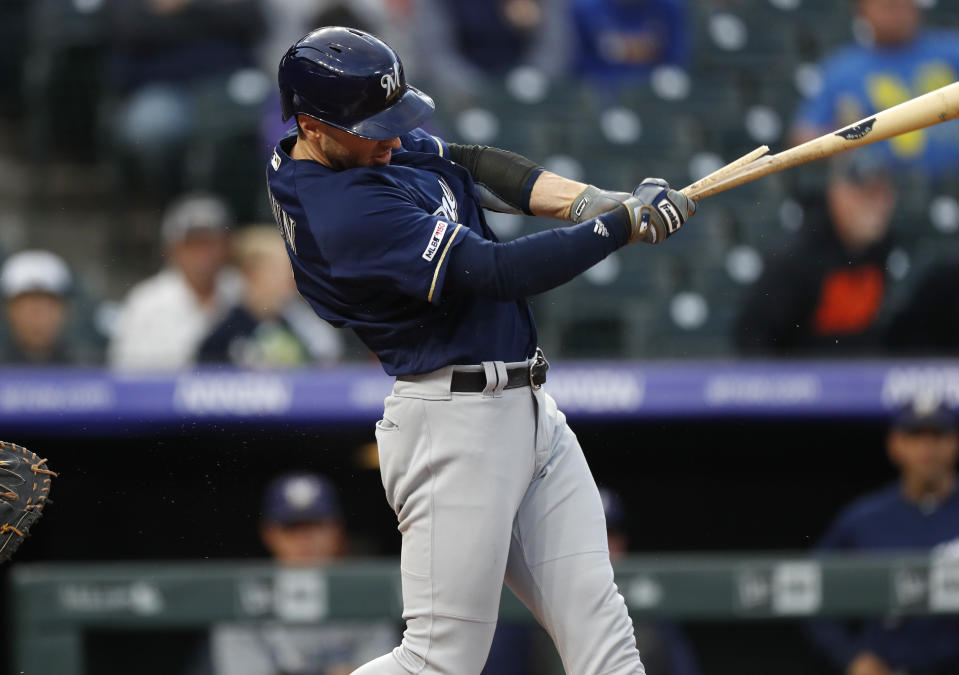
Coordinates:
[724,172]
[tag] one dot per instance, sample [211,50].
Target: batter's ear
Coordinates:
[309,127]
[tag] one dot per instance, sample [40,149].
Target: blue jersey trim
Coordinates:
[439,263]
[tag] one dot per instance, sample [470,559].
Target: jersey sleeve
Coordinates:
[420,141]
[379,234]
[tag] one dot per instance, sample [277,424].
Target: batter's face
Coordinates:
[340,150]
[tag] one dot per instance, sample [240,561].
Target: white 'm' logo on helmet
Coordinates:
[391,81]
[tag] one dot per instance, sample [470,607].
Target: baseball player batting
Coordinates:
[385,230]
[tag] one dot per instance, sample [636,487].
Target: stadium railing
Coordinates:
[55,603]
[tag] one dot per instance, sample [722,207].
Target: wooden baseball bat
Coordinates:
[935,107]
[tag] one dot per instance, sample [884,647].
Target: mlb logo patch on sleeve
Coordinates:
[435,240]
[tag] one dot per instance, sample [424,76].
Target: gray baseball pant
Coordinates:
[486,487]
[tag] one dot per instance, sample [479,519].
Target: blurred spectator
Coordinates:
[271,327]
[621,41]
[301,525]
[462,43]
[662,645]
[301,522]
[164,318]
[898,61]
[928,321]
[36,286]
[920,512]
[182,71]
[824,291]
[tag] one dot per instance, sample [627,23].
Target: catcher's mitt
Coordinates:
[24,486]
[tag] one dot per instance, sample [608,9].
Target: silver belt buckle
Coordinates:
[539,364]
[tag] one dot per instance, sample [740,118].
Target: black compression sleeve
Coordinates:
[537,262]
[507,175]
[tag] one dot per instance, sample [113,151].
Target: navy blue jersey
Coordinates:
[370,247]
[886,521]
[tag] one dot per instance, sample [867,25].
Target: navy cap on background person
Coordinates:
[925,414]
[298,498]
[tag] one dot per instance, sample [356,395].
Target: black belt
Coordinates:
[473,381]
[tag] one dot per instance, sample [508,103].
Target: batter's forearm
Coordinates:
[557,197]
[515,184]
[553,195]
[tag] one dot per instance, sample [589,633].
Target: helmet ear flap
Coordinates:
[287,104]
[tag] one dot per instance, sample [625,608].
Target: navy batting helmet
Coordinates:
[353,81]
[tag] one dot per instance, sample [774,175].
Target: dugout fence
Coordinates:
[54,605]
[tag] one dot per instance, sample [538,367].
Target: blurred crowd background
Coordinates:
[135,234]
[134,135]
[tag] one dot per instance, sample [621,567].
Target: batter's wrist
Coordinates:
[593,202]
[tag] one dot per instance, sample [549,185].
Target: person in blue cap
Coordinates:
[919,512]
[301,525]
[301,521]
